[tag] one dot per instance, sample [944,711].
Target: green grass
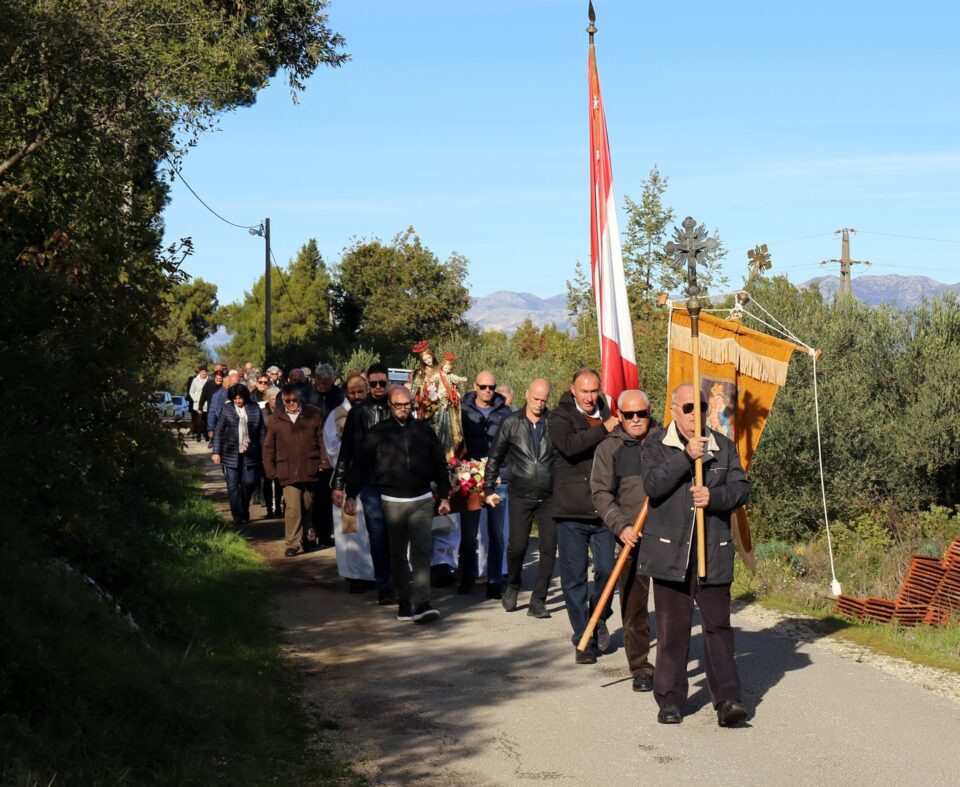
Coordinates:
[198,695]
[774,587]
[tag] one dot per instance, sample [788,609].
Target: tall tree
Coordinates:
[388,296]
[300,300]
[648,269]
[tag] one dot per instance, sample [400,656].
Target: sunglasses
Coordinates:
[378,383]
[262,382]
[633,415]
[687,408]
[486,387]
[400,405]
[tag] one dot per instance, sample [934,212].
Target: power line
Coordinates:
[200,200]
[284,283]
[909,237]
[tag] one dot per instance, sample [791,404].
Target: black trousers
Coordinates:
[522,513]
[634,595]
[673,602]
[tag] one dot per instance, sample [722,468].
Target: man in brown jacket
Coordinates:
[292,455]
[616,486]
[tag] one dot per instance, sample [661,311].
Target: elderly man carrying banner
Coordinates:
[668,554]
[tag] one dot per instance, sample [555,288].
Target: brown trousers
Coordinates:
[634,593]
[298,503]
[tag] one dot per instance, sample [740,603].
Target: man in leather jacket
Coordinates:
[523,440]
[360,420]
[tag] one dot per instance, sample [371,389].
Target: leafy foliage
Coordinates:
[390,296]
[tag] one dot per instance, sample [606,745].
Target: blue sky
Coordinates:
[776,123]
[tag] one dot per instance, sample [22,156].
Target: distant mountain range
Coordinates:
[900,291]
[505,310]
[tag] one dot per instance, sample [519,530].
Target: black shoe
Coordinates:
[405,610]
[386,596]
[291,552]
[465,588]
[643,682]
[603,637]
[356,586]
[442,575]
[730,713]
[509,597]
[494,590]
[588,656]
[669,714]
[538,609]
[425,613]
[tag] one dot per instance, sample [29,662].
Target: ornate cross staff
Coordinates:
[759,262]
[688,247]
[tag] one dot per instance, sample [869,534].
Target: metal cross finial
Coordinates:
[688,247]
[759,258]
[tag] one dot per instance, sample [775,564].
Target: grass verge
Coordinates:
[177,680]
[774,587]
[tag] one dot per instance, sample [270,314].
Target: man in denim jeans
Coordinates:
[360,420]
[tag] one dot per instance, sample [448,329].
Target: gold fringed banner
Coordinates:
[741,371]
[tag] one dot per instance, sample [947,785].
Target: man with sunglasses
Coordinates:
[617,488]
[482,412]
[402,457]
[360,420]
[668,554]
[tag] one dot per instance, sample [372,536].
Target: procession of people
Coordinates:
[405,479]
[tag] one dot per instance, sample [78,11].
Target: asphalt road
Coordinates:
[484,697]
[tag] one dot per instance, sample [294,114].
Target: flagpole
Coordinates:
[595,283]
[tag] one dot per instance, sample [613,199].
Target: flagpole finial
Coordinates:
[592,27]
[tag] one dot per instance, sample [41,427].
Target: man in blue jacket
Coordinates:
[668,554]
[482,412]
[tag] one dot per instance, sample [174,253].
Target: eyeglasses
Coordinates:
[263,382]
[687,407]
[401,405]
[486,387]
[633,415]
[378,383]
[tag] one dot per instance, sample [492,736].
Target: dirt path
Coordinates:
[489,698]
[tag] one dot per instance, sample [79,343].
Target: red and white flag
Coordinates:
[618,361]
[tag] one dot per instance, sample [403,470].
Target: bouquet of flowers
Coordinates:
[466,476]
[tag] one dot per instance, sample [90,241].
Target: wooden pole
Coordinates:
[612,582]
[698,433]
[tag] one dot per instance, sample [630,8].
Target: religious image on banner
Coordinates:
[721,399]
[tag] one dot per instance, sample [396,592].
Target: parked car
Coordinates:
[181,408]
[399,376]
[163,403]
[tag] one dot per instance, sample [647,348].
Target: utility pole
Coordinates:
[845,262]
[264,231]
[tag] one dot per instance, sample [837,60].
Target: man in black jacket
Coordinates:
[405,456]
[360,420]
[524,441]
[668,554]
[325,395]
[578,425]
[482,412]
[617,486]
